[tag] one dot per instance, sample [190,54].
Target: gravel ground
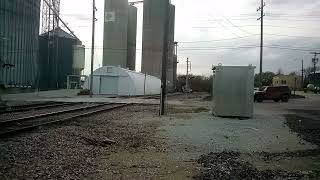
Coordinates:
[229,165]
[77,150]
[306,123]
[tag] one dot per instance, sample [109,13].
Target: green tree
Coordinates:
[267,78]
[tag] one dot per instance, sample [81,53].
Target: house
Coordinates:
[314,79]
[292,81]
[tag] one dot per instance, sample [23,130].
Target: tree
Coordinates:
[280,71]
[267,78]
[197,83]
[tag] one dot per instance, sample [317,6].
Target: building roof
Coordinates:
[60,33]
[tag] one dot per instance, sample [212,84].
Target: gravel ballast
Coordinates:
[75,150]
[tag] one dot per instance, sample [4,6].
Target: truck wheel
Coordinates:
[276,100]
[284,98]
[259,98]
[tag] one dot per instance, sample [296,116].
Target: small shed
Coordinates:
[111,80]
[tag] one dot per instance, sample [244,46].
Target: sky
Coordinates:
[227,32]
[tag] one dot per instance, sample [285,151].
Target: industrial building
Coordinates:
[120,29]
[58,58]
[154,19]
[19,34]
[111,80]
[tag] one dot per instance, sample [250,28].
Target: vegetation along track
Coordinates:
[38,106]
[14,126]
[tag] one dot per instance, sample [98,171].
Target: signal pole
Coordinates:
[94,9]
[164,61]
[261,9]
[315,60]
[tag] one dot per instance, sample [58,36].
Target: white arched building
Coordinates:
[111,80]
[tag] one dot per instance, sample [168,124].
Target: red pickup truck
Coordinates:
[275,93]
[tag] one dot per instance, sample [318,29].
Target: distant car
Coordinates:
[275,93]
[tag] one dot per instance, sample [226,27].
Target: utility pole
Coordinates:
[261,9]
[187,77]
[94,9]
[302,73]
[164,60]
[315,60]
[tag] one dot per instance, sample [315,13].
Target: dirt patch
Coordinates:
[229,165]
[306,123]
[190,110]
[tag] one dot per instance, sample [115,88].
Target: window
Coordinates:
[283,82]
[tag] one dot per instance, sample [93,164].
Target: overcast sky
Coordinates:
[210,32]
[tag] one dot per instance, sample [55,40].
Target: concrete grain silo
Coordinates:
[171,54]
[115,42]
[132,36]
[19,32]
[154,20]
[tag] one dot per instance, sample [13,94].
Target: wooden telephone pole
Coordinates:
[261,9]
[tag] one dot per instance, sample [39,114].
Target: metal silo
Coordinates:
[19,31]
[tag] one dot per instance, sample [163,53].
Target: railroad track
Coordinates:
[30,107]
[14,126]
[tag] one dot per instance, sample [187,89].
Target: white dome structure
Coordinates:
[111,80]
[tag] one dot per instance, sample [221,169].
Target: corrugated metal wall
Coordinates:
[54,71]
[19,31]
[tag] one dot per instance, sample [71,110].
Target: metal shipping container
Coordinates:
[233,88]
[19,32]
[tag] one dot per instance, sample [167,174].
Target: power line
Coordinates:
[215,40]
[226,28]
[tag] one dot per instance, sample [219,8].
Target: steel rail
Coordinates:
[35,107]
[31,127]
[50,114]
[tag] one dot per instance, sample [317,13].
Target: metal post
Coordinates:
[164,60]
[92,45]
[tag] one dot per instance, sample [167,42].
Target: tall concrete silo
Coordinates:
[171,54]
[132,36]
[19,32]
[115,33]
[154,20]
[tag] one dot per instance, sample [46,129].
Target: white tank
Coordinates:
[78,57]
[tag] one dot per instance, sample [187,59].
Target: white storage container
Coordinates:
[232,93]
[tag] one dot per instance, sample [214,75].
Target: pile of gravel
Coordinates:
[227,165]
